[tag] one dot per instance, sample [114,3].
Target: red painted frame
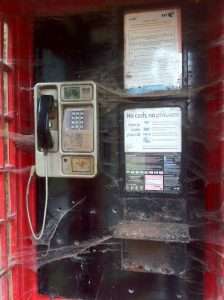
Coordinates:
[24,279]
[8,228]
[214,94]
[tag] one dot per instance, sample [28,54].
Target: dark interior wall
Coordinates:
[90,47]
[73,45]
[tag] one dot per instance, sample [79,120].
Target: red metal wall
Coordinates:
[214,94]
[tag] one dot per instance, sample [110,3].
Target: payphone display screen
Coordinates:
[72,92]
[153,146]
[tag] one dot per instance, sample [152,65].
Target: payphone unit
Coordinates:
[66,141]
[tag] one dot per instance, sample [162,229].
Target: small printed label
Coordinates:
[153,182]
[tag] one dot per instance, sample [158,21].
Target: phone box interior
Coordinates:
[143,227]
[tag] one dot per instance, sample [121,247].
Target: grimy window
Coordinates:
[7,162]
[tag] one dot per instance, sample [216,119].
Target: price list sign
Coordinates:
[153,146]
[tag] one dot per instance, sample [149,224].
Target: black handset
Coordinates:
[44,107]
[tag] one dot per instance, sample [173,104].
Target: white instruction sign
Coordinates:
[149,130]
[153,51]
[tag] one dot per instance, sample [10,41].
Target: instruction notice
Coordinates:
[153,51]
[153,145]
[153,130]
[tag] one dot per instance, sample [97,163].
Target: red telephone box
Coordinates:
[23,25]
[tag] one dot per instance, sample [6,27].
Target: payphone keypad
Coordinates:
[77,129]
[78,120]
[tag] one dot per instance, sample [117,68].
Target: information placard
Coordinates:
[153,130]
[153,50]
[153,146]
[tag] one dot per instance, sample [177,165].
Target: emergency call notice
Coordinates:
[153,130]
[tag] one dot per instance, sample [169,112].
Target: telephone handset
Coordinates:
[44,106]
[44,137]
[66,129]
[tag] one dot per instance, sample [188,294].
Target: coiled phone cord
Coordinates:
[37,236]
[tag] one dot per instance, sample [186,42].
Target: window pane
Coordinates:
[6,110]
[5,42]
[5,92]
